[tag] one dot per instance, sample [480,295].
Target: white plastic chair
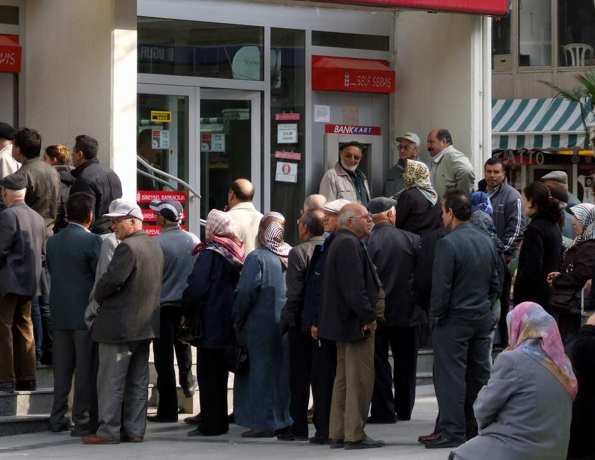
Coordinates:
[578,53]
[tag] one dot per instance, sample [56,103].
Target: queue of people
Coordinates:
[371,275]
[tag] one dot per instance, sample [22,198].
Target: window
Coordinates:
[576,32]
[200,49]
[535,33]
[351,41]
[501,43]
[9,15]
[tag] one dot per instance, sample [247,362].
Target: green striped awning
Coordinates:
[544,124]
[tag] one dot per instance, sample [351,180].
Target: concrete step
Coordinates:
[24,424]
[26,402]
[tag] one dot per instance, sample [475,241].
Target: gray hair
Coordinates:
[385,213]
[345,214]
[314,202]
[16,193]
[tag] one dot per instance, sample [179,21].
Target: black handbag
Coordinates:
[235,355]
[193,328]
[569,301]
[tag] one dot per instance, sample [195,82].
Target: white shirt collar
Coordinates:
[445,150]
[79,225]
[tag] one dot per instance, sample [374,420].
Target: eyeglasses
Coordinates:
[405,147]
[365,216]
[117,221]
[351,156]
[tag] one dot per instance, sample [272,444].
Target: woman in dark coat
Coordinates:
[58,156]
[210,293]
[418,205]
[261,396]
[541,248]
[582,429]
[577,265]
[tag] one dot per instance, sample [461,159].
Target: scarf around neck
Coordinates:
[220,236]
[417,175]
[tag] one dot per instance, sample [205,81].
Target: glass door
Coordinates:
[230,144]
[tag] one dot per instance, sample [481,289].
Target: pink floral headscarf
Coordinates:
[535,332]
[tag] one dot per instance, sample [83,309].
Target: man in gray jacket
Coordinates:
[465,284]
[177,246]
[129,295]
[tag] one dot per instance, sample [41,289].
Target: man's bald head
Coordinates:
[241,191]
[356,218]
[314,202]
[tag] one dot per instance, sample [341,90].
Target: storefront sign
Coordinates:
[156,53]
[287,117]
[10,53]
[146,196]
[288,156]
[160,116]
[154,230]
[352,129]
[151,216]
[523,158]
[350,74]
[212,142]
[160,139]
[488,7]
[287,133]
[286,172]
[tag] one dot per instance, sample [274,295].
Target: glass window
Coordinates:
[535,33]
[9,15]
[351,41]
[501,43]
[576,32]
[199,49]
[288,99]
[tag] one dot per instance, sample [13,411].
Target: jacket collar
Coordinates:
[440,155]
[462,226]
[243,205]
[315,239]
[137,233]
[497,190]
[382,224]
[77,171]
[18,203]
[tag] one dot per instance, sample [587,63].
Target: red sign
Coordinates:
[10,53]
[350,74]
[287,117]
[154,230]
[488,7]
[352,129]
[146,196]
[151,216]
[288,156]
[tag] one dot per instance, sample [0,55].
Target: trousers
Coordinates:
[352,392]
[17,345]
[324,371]
[212,381]
[122,388]
[300,372]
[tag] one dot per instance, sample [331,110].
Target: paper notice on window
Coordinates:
[322,113]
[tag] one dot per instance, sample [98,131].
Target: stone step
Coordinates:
[26,402]
[24,424]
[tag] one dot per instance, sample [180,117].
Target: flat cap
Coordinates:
[14,182]
[412,137]
[352,144]
[7,131]
[559,176]
[380,204]
[335,206]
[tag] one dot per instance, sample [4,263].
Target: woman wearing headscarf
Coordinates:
[261,396]
[542,246]
[418,205]
[577,266]
[524,411]
[210,294]
[480,201]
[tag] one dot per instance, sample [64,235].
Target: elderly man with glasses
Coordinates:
[408,150]
[345,180]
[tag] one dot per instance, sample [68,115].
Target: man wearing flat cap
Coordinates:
[177,246]
[128,295]
[394,253]
[560,179]
[22,239]
[8,164]
[345,180]
[408,150]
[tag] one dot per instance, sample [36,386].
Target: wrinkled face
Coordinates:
[407,150]
[361,223]
[495,175]
[122,227]
[350,157]
[331,222]
[435,145]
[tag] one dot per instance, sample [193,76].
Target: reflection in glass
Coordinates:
[535,33]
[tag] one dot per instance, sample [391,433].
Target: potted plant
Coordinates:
[583,95]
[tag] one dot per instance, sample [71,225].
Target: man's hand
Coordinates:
[314,332]
[591,321]
[588,285]
[551,277]
[371,327]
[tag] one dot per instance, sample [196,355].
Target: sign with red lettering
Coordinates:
[351,74]
[151,216]
[288,156]
[352,129]
[154,230]
[488,7]
[10,53]
[287,117]
[146,196]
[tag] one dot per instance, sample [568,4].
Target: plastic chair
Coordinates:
[577,53]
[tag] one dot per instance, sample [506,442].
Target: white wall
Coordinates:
[439,73]
[80,77]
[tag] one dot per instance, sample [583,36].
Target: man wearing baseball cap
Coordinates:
[129,295]
[560,179]
[177,246]
[8,164]
[408,150]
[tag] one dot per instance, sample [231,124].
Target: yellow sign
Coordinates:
[160,117]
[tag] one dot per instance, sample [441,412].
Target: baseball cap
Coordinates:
[7,131]
[380,204]
[558,176]
[126,209]
[172,210]
[335,206]
[409,137]
[14,182]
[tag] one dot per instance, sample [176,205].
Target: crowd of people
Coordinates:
[432,261]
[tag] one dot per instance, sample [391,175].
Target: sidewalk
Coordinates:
[169,441]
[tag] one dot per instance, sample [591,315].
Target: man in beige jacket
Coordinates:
[244,214]
[344,180]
